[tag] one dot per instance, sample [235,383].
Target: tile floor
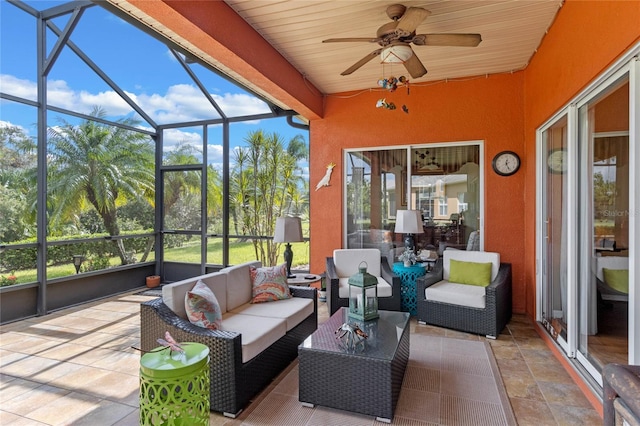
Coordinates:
[76,367]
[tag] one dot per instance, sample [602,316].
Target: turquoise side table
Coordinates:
[174,390]
[408,276]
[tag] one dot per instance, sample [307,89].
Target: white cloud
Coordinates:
[180,103]
[173,137]
[18,87]
[214,154]
[4,124]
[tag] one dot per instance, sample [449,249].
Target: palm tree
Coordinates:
[264,184]
[94,164]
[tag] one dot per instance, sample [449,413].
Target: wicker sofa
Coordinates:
[255,342]
[473,309]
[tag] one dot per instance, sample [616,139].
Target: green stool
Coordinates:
[175,391]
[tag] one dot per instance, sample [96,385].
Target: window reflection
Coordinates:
[442,182]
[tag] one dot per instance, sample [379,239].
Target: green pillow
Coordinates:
[472,273]
[617,279]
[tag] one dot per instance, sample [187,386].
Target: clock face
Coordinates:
[506,163]
[557,161]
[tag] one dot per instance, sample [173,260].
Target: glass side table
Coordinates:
[408,276]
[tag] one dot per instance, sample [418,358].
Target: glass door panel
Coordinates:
[445,187]
[376,189]
[554,280]
[604,224]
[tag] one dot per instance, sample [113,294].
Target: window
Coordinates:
[441,180]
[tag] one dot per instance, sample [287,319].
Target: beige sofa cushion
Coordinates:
[293,310]
[384,288]
[347,261]
[239,284]
[456,294]
[173,294]
[258,333]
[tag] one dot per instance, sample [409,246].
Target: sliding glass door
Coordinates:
[603,284]
[588,226]
[443,182]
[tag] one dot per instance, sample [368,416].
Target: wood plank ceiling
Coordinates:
[511,32]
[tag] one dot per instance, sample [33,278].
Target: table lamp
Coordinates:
[288,230]
[409,222]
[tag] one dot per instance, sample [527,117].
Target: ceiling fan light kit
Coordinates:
[398,54]
[395,39]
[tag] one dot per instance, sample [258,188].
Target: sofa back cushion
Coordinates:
[470,256]
[239,284]
[173,294]
[347,261]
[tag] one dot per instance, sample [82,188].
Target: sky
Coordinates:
[141,66]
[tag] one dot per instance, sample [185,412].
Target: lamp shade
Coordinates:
[409,222]
[288,230]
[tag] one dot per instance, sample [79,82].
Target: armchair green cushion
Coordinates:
[471,273]
[618,279]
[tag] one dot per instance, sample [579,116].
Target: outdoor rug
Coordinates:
[447,382]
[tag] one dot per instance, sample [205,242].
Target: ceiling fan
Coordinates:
[395,39]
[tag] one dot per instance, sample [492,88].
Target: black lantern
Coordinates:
[363,295]
[77,262]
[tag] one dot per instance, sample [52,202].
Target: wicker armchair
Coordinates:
[344,263]
[233,383]
[488,321]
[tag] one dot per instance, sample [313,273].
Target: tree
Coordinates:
[264,186]
[97,165]
[17,165]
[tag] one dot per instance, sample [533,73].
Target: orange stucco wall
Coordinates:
[485,108]
[584,40]
[502,110]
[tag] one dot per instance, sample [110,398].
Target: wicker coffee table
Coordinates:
[364,380]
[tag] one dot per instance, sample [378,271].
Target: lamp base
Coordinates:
[408,242]
[288,258]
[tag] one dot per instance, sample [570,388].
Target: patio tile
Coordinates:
[65,411]
[107,413]
[564,394]
[15,420]
[30,401]
[532,413]
[568,415]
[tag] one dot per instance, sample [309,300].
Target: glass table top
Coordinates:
[384,334]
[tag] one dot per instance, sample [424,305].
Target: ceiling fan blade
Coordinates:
[350,39]
[414,66]
[462,40]
[410,20]
[361,62]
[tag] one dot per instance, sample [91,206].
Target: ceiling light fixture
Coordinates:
[397,54]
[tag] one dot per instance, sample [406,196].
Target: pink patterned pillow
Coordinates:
[202,307]
[269,284]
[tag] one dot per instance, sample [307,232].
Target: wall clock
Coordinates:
[557,160]
[506,163]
